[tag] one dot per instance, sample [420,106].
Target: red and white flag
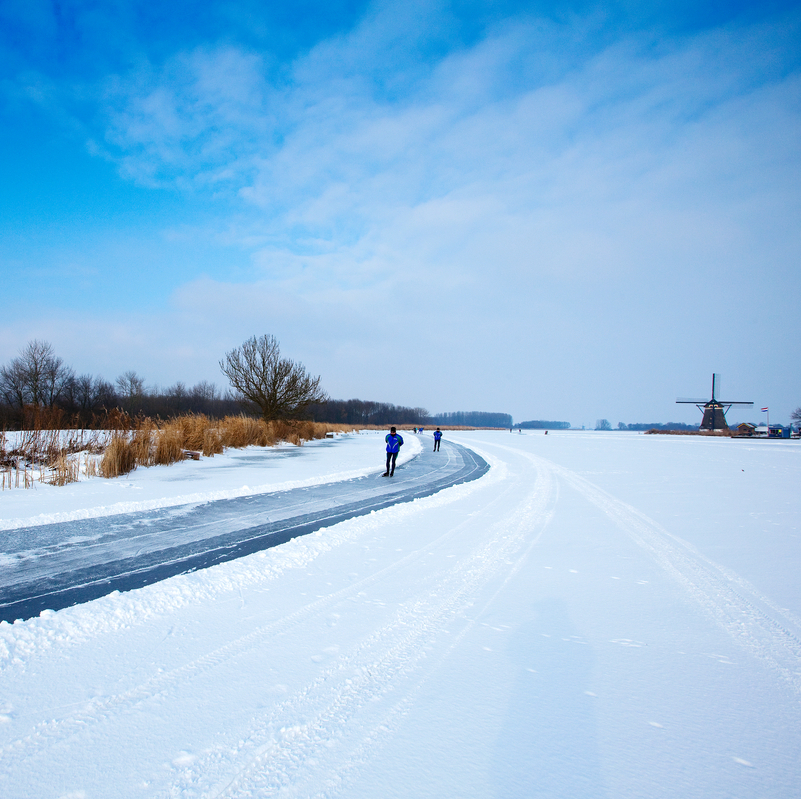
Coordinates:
[764,410]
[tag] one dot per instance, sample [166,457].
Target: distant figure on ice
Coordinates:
[437,439]
[394,443]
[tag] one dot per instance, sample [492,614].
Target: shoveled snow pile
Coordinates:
[601,615]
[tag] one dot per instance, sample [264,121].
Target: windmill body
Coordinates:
[715,409]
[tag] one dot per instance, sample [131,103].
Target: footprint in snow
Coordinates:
[184,759]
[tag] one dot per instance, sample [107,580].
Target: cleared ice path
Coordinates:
[57,565]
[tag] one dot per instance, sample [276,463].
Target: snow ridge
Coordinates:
[278,757]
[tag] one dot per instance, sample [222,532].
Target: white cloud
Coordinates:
[197,119]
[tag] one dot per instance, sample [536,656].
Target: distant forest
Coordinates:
[366,412]
[539,424]
[543,425]
[472,419]
[656,426]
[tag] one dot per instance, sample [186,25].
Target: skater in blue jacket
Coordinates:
[394,443]
[437,439]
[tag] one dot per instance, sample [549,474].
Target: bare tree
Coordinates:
[796,415]
[86,393]
[277,387]
[204,390]
[131,390]
[37,376]
[178,396]
[12,384]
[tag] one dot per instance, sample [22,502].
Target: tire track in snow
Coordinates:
[541,514]
[279,756]
[754,621]
[105,709]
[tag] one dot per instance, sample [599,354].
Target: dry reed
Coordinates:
[212,443]
[63,471]
[119,457]
[90,466]
[42,452]
[140,442]
[169,445]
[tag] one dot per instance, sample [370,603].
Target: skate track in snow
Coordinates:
[53,566]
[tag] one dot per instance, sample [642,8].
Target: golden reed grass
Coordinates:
[45,451]
[119,455]
[150,443]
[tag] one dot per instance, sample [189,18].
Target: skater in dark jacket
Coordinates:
[437,439]
[394,443]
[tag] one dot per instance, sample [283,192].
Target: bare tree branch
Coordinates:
[36,377]
[277,387]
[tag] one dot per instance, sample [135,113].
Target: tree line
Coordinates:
[472,419]
[38,385]
[540,424]
[366,412]
[656,426]
[38,380]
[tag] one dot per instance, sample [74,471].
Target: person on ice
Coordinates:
[394,443]
[437,439]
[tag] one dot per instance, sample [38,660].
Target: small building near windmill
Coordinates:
[744,429]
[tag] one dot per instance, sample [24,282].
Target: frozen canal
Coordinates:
[599,615]
[56,565]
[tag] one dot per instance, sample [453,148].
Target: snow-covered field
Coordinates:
[601,615]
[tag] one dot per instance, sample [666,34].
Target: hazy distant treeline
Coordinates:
[356,412]
[656,426]
[366,412]
[472,419]
[540,424]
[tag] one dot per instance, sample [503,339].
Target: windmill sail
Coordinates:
[714,410]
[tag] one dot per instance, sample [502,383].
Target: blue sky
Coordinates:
[557,210]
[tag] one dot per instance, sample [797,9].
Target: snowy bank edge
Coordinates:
[119,508]
[118,611]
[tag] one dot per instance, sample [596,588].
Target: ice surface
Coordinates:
[236,473]
[53,566]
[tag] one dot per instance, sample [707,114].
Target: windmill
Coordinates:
[715,409]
